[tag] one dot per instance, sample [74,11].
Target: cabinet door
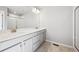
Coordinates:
[16,48]
[28,45]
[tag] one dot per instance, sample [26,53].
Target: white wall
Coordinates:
[59,23]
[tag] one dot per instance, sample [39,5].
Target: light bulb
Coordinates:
[35,10]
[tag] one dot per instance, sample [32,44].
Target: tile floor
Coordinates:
[49,47]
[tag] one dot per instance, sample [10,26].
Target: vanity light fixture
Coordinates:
[35,10]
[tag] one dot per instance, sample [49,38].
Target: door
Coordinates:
[28,45]
[16,48]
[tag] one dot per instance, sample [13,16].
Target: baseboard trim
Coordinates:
[61,44]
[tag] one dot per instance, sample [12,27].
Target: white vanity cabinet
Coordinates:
[24,43]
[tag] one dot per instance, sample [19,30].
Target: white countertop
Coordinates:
[6,35]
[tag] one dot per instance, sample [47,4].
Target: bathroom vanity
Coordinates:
[23,40]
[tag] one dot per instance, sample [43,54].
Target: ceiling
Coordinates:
[20,10]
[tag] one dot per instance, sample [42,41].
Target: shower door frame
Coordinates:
[75,28]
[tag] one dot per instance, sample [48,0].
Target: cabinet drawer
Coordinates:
[35,46]
[35,39]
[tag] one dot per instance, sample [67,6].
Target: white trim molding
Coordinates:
[61,44]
